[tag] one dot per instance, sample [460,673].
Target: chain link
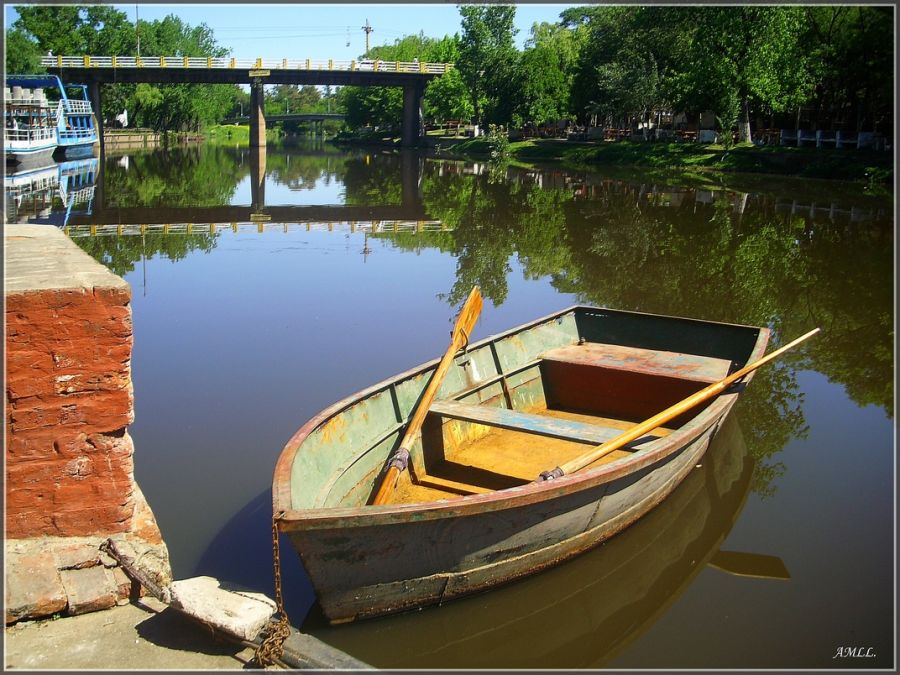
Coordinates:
[271,649]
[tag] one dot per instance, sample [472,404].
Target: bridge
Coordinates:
[412,76]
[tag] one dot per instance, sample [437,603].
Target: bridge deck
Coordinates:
[109,69]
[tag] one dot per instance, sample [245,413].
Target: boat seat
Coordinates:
[654,362]
[625,382]
[541,425]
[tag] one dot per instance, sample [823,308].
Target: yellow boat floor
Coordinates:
[503,458]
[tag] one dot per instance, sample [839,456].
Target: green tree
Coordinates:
[290,98]
[445,96]
[23,57]
[488,60]
[546,73]
[745,55]
[53,28]
[104,30]
[626,65]
[383,106]
[851,49]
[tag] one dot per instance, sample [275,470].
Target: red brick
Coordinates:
[69,398]
[21,447]
[94,520]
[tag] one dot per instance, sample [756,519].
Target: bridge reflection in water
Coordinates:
[408,215]
[372,227]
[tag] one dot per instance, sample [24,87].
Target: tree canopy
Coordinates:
[822,66]
[104,30]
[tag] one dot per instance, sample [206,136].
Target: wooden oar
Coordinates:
[468,315]
[666,415]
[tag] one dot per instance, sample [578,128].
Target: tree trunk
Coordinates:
[476,108]
[744,133]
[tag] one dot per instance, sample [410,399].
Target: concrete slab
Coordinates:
[45,258]
[145,635]
[241,614]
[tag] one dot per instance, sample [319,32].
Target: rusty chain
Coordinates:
[271,648]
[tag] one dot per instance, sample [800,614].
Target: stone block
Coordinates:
[76,556]
[89,589]
[124,584]
[33,586]
[240,614]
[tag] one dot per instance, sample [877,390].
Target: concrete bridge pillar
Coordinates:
[257,115]
[96,104]
[258,178]
[413,127]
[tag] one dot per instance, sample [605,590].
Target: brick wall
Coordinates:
[69,459]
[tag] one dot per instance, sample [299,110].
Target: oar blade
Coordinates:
[469,314]
[754,565]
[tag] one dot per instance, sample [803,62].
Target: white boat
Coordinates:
[30,126]
[40,119]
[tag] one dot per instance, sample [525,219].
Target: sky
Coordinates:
[322,31]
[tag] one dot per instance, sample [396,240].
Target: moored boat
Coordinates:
[42,120]
[471,511]
[29,133]
[77,127]
[580,614]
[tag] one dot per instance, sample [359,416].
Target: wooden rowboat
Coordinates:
[469,514]
[583,613]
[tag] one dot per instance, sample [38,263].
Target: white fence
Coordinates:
[195,62]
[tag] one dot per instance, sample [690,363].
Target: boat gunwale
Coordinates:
[290,519]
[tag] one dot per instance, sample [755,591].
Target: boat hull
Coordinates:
[581,613]
[365,560]
[379,570]
[31,157]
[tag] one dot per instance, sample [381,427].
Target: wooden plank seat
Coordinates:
[540,425]
[654,362]
[621,382]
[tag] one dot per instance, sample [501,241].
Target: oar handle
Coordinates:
[468,315]
[666,415]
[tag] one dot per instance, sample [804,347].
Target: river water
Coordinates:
[268,286]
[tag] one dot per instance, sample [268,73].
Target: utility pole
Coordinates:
[368,29]
[137,30]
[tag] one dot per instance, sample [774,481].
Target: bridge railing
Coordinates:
[370,226]
[226,62]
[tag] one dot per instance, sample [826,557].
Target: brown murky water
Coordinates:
[264,289]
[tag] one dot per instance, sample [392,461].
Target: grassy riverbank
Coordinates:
[866,166]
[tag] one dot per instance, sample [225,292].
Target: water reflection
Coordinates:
[580,614]
[148,190]
[800,256]
[54,193]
